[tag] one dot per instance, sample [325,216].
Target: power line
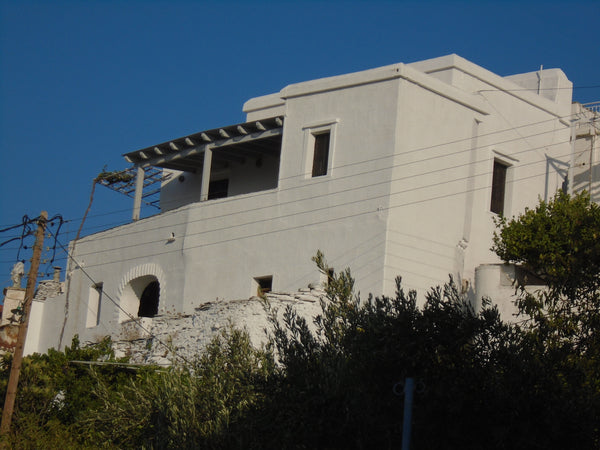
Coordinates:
[354,175]
[369,161]
[394,155]
[521,137]
[593,86]
[318,222]
[358,188]
[466,139]
[131,317]
[361,187]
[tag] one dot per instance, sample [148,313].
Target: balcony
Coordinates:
[211,164]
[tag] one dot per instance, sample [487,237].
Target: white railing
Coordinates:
[593,106]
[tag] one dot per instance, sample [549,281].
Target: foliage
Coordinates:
[53,391]
[487,384]
[330,384]
[184,406]
[112,177]
[559,241]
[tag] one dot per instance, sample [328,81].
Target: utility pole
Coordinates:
[15,369]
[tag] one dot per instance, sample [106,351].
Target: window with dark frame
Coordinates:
[321,154]
[498,187]
[218,189]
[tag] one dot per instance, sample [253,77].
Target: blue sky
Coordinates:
[81,83]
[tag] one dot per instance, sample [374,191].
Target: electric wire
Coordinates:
[158,340]
[521,137]
[355,175]
[129,315]
[358,188]
[593,86]
[303,212]
[393,155]
[264,233]
[369,161]
[314,210]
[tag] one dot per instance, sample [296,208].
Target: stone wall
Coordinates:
[48,289]
[151,340]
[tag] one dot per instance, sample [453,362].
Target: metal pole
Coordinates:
[409,388]
[15,369]
[592,138]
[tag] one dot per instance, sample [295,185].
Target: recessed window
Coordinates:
[94,305]
[218,189]
[321,154]
[263,284]
[498,187]
[319,148]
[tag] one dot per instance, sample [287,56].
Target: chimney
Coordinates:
[56,277]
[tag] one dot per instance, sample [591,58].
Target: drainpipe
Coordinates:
[572,162]
[56,276]
[593,138]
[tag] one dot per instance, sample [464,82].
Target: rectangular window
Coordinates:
[321,154]
[263,285]
[218,189]
[498,187]
[94,306]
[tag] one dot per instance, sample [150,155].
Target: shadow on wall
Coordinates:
[140,298]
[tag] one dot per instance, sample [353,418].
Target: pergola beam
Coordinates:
[165,159]
[206,174]
[139,190]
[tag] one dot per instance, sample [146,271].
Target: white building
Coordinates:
[397,170]
[586,149]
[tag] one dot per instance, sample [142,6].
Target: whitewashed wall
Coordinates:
[407,193]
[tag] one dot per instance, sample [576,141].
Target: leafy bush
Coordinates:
[486,384]
[184,406]
[53,392]
[483,384]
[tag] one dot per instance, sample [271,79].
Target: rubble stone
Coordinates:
[186,335]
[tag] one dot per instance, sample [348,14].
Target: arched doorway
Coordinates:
[140,298]
[149,300]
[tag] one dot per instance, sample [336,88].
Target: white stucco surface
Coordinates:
[407,192]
